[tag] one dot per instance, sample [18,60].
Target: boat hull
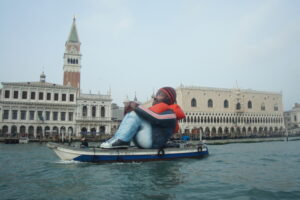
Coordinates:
[126,155]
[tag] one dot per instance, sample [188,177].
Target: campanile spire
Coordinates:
[72,58]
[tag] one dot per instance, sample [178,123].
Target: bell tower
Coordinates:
[72,58]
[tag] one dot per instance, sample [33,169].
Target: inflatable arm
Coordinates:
[165,119]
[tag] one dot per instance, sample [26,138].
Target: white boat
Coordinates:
[23,140]
[131,154]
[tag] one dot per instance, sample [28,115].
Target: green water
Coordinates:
[269,170]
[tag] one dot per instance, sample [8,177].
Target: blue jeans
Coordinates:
[134,126]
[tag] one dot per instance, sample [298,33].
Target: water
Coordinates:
[234,171]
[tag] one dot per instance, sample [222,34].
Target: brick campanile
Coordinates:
[72,58]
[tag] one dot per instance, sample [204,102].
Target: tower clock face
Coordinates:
[73,50]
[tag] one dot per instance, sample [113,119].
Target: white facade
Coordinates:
[218,112]
[292,118]
[94,113]
[39,109]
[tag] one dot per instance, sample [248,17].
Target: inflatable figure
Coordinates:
[148,127]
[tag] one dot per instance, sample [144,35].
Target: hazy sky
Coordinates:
[140,46]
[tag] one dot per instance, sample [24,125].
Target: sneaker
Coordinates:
[114,143]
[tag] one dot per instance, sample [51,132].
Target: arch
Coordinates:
[47,131]
[207,132]
[244,132]
[84,111]
[249,130]
[22,130]
[102,111]
[249,104]
[210,103]
[83,130]
[31,132]
[193,103]
[70,131]
[254,130]
[220,131]
[14,130]
[62,130]
[226,131]
[232,130]
[226,104]
[55,131]
[5,129]
[93,130]
[39,131]
[102,129]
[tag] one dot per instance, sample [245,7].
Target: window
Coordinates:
[84,111]
[276,108]
[226,104]
[47,115]
[16,94]
[40,115]
[63,116]
[7,94]
[238,106]
[249,105]
[263,107]
[55,116]
[70,116]
[23,114]
[49,96]
[5,114]
[32,95]
[24,95]
[63,97]
[31,115]
[41,95]
[94,111]
[295,118]
[102,112]
[210,103]
[72,97]
[55,96]
[194,102]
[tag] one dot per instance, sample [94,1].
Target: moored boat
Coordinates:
[131,154]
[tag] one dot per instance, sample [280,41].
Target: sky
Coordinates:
[134,47]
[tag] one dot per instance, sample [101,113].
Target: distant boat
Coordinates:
[131,154]
[23,140]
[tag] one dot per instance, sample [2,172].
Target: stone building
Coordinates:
[37,108]
[43,109]
[230,113]
[292,119]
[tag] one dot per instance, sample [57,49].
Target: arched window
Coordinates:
[249,104]
[194,102]
[210,103]
[94,111]
[84,111]
[275,107]
[76,61]
[226,104]
[102,112]
[238,106]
